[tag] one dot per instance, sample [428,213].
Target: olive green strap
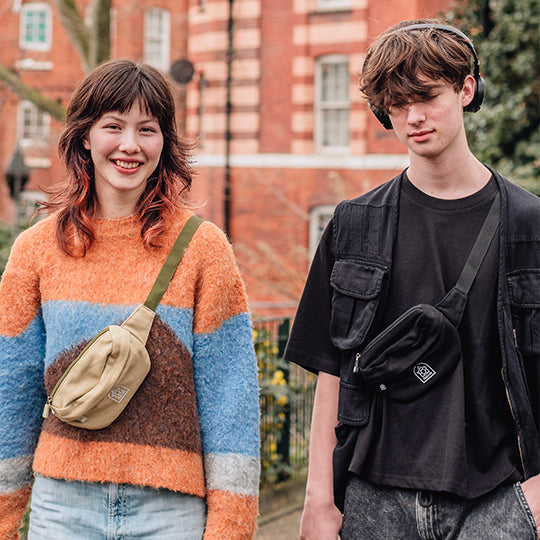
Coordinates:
[173,260]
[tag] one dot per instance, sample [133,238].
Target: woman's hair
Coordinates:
[116,86]
[400,64]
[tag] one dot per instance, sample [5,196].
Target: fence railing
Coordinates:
[286,401]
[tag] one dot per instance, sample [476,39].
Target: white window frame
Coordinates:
[319,216]
[333,5]
[40,9]
[35,131]
[157,38]
[322,105]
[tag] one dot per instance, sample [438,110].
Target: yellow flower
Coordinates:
[282,400]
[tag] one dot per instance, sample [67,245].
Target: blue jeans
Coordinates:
[383,513]
[62,510]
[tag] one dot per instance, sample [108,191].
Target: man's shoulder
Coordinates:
[386,193]
[519,199]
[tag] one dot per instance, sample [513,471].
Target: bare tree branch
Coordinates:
[73,23]
[15,84]
[100,32]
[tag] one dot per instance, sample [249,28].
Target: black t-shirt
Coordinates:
[462,442]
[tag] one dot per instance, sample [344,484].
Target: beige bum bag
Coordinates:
[97,386]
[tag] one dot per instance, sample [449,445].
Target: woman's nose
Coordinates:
[129,142]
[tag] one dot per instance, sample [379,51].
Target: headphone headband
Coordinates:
[478,97]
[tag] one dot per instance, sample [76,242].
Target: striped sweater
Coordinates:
[192,427]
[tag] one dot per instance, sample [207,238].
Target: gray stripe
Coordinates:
[15,473]
[232,472]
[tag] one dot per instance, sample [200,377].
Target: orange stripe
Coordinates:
[230,516]
[120,463]
[12,508]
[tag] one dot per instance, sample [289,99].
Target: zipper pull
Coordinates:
[356,367]
[515,337]
[47,408]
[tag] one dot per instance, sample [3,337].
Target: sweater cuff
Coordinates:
[12,507]
[230,516]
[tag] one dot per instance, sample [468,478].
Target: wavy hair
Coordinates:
[115,86]
[399,62]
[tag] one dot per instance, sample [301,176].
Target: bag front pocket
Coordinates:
[356,293]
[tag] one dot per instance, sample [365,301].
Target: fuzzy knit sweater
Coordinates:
[193,425]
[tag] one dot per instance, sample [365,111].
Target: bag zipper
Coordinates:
[48,405]
[380,336]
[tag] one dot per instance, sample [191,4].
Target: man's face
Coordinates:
[432,124]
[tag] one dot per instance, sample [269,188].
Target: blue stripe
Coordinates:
[69,323]
[225,372]
[22,393]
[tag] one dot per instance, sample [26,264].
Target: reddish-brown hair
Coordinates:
[398,64]
[116,86]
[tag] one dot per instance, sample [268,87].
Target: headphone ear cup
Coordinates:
[382,117]
[478,97]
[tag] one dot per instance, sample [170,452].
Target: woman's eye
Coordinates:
[148,130]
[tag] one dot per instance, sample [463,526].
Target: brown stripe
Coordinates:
[162,413]
[120,463]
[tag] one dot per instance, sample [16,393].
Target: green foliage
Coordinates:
[275,396]
[6,239]
[505,133]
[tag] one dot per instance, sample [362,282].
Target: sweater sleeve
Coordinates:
[225,371]
[22,393]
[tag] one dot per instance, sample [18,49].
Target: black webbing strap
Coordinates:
[173,260]
[480,248]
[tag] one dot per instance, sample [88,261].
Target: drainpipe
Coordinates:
[228,108]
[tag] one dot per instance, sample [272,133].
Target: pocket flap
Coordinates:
[357,280]
[525,288]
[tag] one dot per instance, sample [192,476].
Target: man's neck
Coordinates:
[448,177]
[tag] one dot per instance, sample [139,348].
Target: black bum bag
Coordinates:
[422,346]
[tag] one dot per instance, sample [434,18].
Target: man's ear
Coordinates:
[467,91]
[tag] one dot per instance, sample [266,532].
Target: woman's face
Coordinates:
[125,150]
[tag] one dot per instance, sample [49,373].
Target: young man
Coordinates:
[439,449]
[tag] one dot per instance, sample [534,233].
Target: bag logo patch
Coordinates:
[118,393]
[423,372]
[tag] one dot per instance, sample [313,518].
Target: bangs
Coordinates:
[119,90]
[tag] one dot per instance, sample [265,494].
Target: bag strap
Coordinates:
[171,263]
[480,248]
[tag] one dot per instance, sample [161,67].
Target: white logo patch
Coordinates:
[423,372]
[118,393]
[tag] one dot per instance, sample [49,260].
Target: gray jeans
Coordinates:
[382,513]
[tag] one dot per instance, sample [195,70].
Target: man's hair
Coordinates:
[401,64]
[116,86]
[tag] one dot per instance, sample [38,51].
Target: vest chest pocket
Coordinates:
[356,294]
[524,287]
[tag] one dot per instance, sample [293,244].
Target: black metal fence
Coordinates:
[286,401]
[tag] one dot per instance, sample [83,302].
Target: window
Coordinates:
[157,38]
[33,124]
[332,103]
[36,26]
[331,5]
[319,216]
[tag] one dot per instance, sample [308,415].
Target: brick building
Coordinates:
[283,134]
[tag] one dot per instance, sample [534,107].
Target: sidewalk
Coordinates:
[280,510]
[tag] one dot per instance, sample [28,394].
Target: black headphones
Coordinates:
[478,97]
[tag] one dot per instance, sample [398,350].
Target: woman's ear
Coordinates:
[467,91]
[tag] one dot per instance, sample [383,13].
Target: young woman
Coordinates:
[182,459]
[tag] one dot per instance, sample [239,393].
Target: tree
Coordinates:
[92,41]
[506,131]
